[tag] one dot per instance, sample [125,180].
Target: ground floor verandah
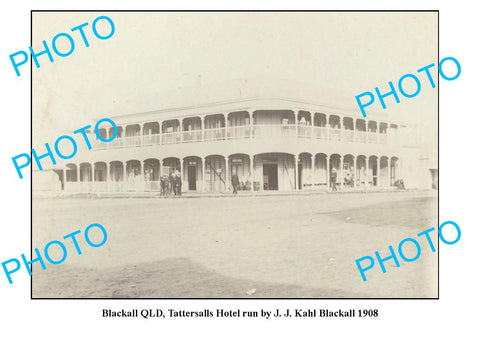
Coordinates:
[213,173]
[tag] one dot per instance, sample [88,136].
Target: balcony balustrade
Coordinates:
[247,132]
[268,131]
[335,134]
[361,136]
[151,139]
[192,136]
[383,138]
[321,132]
[171,138]
[304,131]
[239,132]
[114,144]
[348,135]
[133,141]
[214,134]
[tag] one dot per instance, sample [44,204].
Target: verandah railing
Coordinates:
[246,132]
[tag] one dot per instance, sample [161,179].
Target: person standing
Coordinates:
[172,186]
[235,183]
[163,185]
[178,182]
[333,179]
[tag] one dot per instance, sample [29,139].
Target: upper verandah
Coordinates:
[250,105]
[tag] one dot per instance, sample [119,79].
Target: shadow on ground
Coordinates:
[169,278]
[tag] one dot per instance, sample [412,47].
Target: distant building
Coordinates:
[271,144]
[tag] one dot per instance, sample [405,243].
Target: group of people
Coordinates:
[171,184]
[349,179]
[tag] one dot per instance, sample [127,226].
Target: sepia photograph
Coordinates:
[226,155]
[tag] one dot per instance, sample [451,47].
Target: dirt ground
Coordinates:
[281,246]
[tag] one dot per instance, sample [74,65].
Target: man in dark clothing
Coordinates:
[333,179]
[172,185]
[235,183]
[178,182]
[163,185]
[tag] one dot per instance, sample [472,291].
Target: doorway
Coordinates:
[270,176]
[192,177]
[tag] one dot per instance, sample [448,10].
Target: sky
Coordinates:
[161,60]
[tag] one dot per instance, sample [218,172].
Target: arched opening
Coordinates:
[372,131]
[192,129]
[373,170]
[348,175]
[151,133]
[170,165]
[193,173]
[360,127]
[334,121]
[132,135]
[348,128]
[238,125]
[103,133]
[384,181]
[392,135]
[134,176]
[171,133]
[85,172]
[274,171]
[383,130]
[86,177]
[152,174]
[335,170]
[320,129]
[305,171]
[170,168]
[100,176]
[239,164]
[275,123]
[320,178]
[214,127]
[100,172]
[117,177]
[335,124]
[394,170]
[118,141]
[361,176]
[304,124]
[71,178]
[71,173]
[119,132]
[215,177]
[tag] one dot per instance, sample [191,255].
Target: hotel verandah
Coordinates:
[272,144]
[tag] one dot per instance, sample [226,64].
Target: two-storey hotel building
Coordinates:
[271,144]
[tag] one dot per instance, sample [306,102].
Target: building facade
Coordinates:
[270,144]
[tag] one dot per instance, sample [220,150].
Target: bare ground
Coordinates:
[223,247]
